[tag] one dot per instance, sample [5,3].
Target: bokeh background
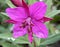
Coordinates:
[53,11]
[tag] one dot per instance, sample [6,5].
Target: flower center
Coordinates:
[27,22]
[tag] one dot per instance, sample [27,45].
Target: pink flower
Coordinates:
[29,20]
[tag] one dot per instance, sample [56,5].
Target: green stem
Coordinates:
[34,43]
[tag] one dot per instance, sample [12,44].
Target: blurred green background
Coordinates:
[53,11]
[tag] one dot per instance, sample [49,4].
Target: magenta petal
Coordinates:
[38,10]
[25,5]
[45,19]
[11,21]
[17,14]
[18,32]
[40,30]
[30,37]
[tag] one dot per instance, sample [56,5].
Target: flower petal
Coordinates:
[30,34]
[25,5]
[30,37]
[40,30]
[17,14]
[18,32]
[11,21]
[38,10]
[45,19]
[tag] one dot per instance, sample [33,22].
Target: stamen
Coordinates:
[27,22]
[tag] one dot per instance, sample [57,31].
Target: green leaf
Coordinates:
[52,39]
[37,40]
[58,26]
[6,44]
[4,13]
[10,4]
[27,1]
[53,13]
[5,35]
[22,40]
[49,4]
[42,46]
[31,1]
[1,1]
[51,28]
[2,29]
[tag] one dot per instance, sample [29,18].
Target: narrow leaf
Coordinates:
[53,13]
[52,39]
[10,4]
[31,1]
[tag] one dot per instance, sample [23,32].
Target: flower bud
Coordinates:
[17,3]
